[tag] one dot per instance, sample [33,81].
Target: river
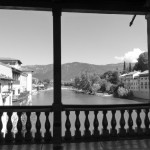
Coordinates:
[70,97]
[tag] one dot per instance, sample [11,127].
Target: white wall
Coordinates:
[8,101]
[23,83]
[17,66]
[29,82]
[4,85]
[5,70]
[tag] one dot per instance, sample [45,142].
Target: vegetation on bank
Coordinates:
[93,83]
[109,82]
[121,92]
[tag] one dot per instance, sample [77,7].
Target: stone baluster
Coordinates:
[122,131]
[96,124]
[28,135]
[19,136]
[87,132]
[9,135]
[147,122]
[77,126]
[130,130]
[38,136]
[47,135]
[105,132]
[1,126]
[67,125]
[113,130]
[139,122]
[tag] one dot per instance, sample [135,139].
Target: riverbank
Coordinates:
[88,93]
[110,95]
[35,91]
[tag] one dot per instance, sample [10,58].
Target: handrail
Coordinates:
[26,108]
[106,107]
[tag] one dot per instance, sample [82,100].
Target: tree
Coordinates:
[115,78]
[46,81]
[124,66]
[130,68]
[111,76]
[142,63]
[77,82]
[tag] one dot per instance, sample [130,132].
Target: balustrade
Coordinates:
[19,136]
[1,126]
[23,116]
[147,123]
[122,130]
[68,125]
[111,122]
[47,135]
[130,130]
[139,122]
[113,131]
[87,132]
[96,133]
[77,126]
[9,135]
[91,122]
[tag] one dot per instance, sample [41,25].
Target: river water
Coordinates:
[70,97]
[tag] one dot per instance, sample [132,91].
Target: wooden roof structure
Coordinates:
[138,7]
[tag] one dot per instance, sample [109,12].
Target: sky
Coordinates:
[90,38]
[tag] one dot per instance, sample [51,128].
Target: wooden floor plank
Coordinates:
[107,145]
[27,147]
[47,147]
[126,145]
[6,147]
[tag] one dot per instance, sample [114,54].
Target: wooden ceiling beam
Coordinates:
[87,6]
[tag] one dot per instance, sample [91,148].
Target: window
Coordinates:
[145,85]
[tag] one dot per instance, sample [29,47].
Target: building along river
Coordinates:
[70,97]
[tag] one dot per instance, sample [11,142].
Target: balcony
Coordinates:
[91,123]
[99,132]
[16,82]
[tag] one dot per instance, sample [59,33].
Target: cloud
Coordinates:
[130,56]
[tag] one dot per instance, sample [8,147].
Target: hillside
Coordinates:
[70,70]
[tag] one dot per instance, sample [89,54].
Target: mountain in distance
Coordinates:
[71,70]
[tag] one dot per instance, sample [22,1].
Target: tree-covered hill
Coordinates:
[70,70]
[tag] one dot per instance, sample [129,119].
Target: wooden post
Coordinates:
[57,105]
[148,41]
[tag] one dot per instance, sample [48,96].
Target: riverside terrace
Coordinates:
[131,127]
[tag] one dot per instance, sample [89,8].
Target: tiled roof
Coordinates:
[144,73]
[26,70]
[10,59]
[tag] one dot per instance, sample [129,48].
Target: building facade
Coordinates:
[138,83]
[6,80]
[21,79]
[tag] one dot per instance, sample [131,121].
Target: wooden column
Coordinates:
[148,41]
[57,105]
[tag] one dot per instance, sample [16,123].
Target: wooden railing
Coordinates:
[34,124]
[26,124]
[106,122]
